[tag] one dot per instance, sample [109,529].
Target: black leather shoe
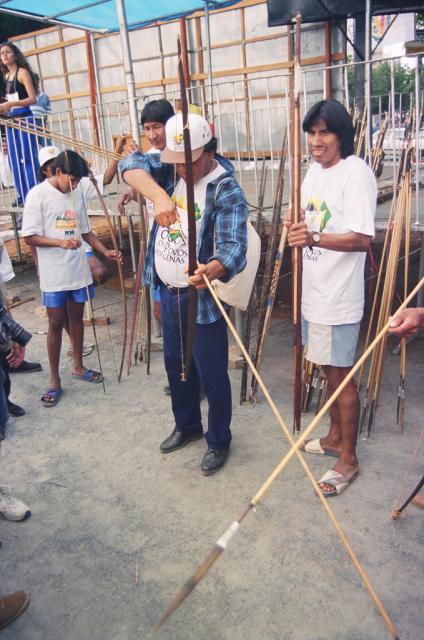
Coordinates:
[213,460]
[15,410]
[27,367]
[179,439]
[2,432]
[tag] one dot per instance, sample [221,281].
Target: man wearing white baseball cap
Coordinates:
[221,215]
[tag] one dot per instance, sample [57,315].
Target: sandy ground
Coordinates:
[106,506]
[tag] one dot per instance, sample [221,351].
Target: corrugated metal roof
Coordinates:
[100,15]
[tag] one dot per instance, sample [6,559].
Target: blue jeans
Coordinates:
[209,365]
[4,414]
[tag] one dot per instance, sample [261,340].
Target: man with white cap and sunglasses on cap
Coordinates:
[221,215]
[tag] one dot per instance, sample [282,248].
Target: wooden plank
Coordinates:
[199,56]
[184,51]
[31,34]
[54,46]
[239,5]
[69,73]
[239,71]
[243,41]
[71,94]
[20,301]
[245,82]
[92,89]
[328,50]
[162,61]
[199,48]
[66,78]
[98,322]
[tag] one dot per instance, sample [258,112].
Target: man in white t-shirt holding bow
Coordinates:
[339,196]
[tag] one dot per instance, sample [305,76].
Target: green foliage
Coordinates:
[404,80]
[381,79]
[404,77]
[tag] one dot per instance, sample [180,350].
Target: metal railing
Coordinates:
[250,116]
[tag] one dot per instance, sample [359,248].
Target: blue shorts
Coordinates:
[333,345]
[156,293]
[60,298]
[88,249]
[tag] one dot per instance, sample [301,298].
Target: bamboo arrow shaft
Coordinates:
[269,308]
[217,550]
[418,488]
[269,269]
[84,270]
[137,286]
[334,396]
[60,137]
[296,445]
[120,273]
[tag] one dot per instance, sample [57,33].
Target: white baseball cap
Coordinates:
[47,153]
[200,134]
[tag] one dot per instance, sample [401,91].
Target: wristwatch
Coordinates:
[316,237]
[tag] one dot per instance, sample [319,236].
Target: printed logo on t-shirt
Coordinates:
[175,229]
[170,246]
[181,203]
[171,241]
[66,222]
[317,215]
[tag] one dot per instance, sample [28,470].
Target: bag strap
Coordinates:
[220,182]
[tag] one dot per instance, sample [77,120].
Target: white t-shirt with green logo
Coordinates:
[171,250]
[49,212]
[339,199]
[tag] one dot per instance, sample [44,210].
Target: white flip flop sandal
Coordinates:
[314,446]
[339,482]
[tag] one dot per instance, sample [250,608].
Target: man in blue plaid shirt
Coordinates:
[221,214]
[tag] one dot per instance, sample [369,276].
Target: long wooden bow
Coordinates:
[120,273]
[84,271]
[192,253]
[295,217]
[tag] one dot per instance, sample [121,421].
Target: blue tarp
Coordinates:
[102,16]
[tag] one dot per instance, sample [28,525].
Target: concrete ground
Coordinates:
[116,527]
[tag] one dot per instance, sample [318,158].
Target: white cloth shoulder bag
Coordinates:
[236,292]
